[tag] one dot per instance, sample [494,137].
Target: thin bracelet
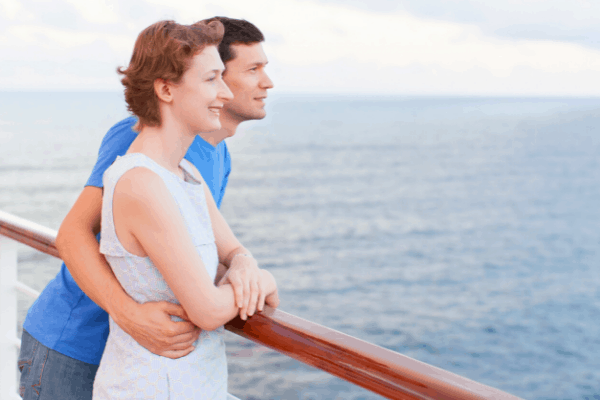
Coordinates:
[240,254]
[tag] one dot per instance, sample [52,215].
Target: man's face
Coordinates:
[248,81]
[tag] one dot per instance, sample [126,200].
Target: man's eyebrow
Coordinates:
[257,64]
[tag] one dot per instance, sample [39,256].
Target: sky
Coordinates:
[379,47]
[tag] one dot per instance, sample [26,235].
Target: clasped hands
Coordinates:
[252,287]
[150,324]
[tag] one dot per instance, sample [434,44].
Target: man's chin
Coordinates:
[246,115]
[258,114]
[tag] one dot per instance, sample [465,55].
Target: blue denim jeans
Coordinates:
[47,374]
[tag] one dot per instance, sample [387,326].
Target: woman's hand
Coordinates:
[269,295]
[245,279]
[272,300]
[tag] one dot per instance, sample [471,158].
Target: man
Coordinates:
[65,330]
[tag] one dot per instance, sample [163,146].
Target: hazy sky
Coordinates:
[491,47]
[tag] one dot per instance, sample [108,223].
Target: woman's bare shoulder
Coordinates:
[141,185]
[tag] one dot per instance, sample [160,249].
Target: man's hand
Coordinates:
[151,326]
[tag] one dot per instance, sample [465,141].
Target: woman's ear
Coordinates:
[163,91]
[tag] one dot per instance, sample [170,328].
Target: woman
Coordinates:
[162,233]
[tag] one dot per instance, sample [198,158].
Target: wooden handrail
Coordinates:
[375,368]
[380,370]
[34,235]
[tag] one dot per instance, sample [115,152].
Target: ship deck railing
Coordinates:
[382,371]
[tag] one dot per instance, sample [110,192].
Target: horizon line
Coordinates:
[344,94]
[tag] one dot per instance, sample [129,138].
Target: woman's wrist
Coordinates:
[240,254]
[243,253]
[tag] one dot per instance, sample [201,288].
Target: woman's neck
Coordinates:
[166,144]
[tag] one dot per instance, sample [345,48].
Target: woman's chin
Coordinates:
[210,126]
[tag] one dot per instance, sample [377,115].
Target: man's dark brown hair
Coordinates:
[237,31]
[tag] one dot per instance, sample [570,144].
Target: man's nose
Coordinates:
[225,92]
[266,82]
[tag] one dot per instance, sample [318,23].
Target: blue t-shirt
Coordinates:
[64,318]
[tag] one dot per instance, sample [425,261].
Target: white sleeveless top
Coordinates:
[127,370]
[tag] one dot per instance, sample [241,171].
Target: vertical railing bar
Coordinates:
[15,341]
[9,341]
[23,288]
[8,317]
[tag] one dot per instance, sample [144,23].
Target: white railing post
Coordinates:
[8,317]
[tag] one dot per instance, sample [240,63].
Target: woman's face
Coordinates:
[198,98]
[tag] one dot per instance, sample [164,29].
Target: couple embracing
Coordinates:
[140,315]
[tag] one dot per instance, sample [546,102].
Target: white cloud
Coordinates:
[10,8]
[54,38]
[315,33]
[97,11]
[324,47]
[30,78]
[321,34]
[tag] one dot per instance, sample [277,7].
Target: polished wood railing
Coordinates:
[377,369]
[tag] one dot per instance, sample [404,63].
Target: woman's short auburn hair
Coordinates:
[163,50]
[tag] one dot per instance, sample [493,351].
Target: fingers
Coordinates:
[246,284]
[261,300]
[244,312]
[174,354]
[172,345]
[238,290]
[177,328]
[254,292]
[174,309]
[189,338]
[180,343]
[179,346]
[152,327]
[241,290]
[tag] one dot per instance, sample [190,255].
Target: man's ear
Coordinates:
[163,91]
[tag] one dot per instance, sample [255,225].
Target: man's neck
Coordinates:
[228,128]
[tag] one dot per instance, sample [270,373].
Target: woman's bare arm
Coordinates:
[149,324]
[252,286]
[144,209]
[227,244]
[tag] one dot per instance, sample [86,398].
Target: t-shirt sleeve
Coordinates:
[226,172]
[115,143]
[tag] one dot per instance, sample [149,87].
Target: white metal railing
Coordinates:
[9,286]
[9,342]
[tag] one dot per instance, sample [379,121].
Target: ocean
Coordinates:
[462,232]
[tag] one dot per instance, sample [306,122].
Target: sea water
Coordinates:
[462,232]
